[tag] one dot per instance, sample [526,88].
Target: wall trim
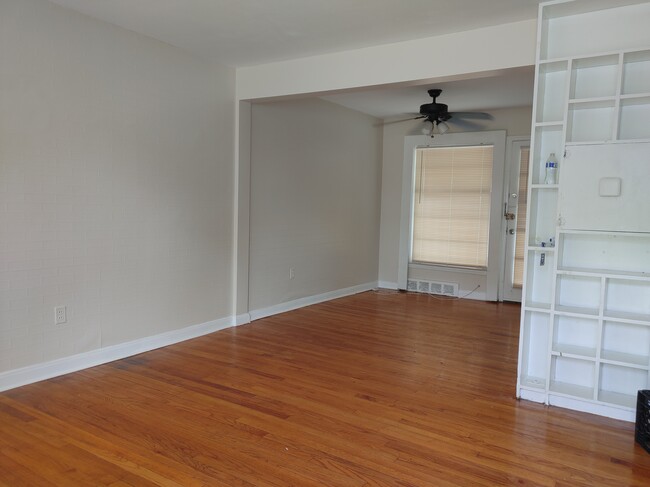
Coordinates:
[387,285]
[309,300]
[621,413]
[533,396]
[54,368]
[242,319]
[624,414]
[74,363]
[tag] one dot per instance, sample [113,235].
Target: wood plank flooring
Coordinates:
[377,389]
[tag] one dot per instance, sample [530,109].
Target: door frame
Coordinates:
[496,138]
[513,146]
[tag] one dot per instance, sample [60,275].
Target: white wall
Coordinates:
[315,196]
[516,121]
[446,56]
[116,179]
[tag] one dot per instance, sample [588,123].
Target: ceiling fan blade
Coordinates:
[474,115]
[465,125]
[402,120]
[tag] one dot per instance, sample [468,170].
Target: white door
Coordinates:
[514,213]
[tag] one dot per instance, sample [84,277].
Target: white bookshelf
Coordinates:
[585,327]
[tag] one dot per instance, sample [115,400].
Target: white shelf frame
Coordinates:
[544,389]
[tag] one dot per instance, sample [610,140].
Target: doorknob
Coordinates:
[511,231]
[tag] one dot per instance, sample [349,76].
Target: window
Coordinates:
[451,207]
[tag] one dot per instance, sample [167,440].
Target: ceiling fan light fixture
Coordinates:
[442,127]
[427,128]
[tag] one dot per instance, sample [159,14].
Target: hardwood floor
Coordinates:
[377,389]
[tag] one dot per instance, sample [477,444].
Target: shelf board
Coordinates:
[551,123]
[572,389]
[535,306]
[544,186]
[591,56]
[597,101]
[574,351]
[617,398]
[539,248]
[576,311]
[603,232]
[608,141]
[532,381]
[577,271]
[570,143]
[556,60]
[632,96]
[625,359]
[631,141]
[627,317]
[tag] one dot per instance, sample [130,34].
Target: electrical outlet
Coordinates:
[292,274]
[60,315]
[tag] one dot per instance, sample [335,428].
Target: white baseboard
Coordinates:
[533,396]
[624,414]
[387,285]
[614,412]
[309,300]
[38,372]
[242,319]
[469,294]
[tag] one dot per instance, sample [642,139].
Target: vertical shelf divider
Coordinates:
[599,339]
[617,103]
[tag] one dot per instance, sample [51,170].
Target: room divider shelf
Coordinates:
[585,328]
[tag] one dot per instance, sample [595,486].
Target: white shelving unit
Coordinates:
[585,327]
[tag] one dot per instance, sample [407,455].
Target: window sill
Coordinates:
[447,268]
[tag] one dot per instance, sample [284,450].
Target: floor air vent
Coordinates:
[432,287]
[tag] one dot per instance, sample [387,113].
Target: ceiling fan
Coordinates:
[438,115]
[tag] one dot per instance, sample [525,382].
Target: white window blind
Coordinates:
[451,211]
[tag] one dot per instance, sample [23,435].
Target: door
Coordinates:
[514,213]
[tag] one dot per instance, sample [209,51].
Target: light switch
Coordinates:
[609,187]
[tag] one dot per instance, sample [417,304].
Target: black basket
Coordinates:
[642,434]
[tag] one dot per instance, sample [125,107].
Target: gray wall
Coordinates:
[315,200]
[116,156]
[515,121]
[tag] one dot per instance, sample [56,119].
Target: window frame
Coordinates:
[496,138]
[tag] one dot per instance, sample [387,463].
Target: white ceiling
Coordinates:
[507,89]
[248,32]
